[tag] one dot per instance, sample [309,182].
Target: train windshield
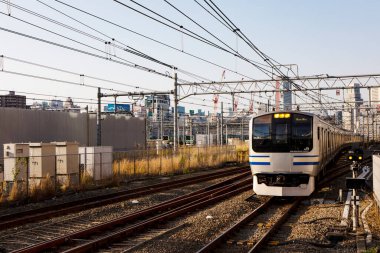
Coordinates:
[292,133]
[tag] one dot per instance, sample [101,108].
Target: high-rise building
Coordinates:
[352,108]
[157,105]
[287,96]
[339,118]
[13,100]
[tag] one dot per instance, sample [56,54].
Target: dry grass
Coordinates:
[242,152]
[164,163]
[135,163]
[17,192]
[42,188]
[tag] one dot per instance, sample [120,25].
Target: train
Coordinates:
[289,151]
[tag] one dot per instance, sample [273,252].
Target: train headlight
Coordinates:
[281,115]
[360,158]
[261,179]
[350,158]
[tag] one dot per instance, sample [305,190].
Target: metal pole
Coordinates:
[191,128]
[241,129]
[208,133]
[114,110]
[373,128]
[367,126]
[184,131]
[370,103]
[99,120]
[162,125]
[226,134]
[175,136]
[217,131]
[354,207]
[87,127]
[221,124]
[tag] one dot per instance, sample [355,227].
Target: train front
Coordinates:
[283,156]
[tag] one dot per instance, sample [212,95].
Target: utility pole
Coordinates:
[87,127]
[114,104]
[226,133]
[221,124]
[175,136]
[161,125]
[99,120]
[241,129]
[370,108]
[217,131]
[208,133]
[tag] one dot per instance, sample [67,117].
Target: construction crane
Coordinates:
[215,99]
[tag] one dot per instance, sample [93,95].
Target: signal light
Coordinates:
[355,155]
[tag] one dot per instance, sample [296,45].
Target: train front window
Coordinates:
[282,134]
[262,137]
[302,138]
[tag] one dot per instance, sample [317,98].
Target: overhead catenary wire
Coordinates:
[159,42]
[192,35]
[153,40]
[90,100]
[126,48]
[232,27]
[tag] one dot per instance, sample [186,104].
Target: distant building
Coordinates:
[180,110]
[262,108]
[157,105]
[352,108]
[287,96]
[56,104]
[339,118]
[13,100]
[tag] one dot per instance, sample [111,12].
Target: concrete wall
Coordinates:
[376,178]
[20,125]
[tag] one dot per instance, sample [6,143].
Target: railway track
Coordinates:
[83,236]
[20,218]
[252,232]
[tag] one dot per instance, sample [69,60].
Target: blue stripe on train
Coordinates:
[259,163]
[305,163]
[306,156]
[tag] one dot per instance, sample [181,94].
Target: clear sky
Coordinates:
[326,36]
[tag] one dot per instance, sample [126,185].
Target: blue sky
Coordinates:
[334,37]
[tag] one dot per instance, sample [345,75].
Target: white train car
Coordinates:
[289,151]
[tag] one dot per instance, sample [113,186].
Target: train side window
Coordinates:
[318,133]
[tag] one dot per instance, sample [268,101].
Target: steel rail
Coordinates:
[276,225]
[175,207]
[33,215]
[223,237]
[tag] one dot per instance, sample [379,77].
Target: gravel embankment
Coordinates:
[305,230]
[204,226]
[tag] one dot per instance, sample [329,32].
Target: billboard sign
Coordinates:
[119,107]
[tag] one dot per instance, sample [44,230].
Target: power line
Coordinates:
[192,34]
[153,40]
[70,72]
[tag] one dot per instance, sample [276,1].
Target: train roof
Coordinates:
[309,114]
